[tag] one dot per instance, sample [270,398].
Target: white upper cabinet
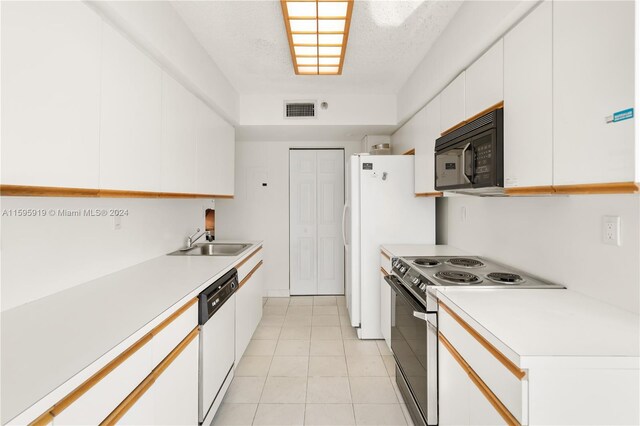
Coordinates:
[528,133]
[452,104]
[425,144]
[179,129]
[484,81]
[50,94]
[593,77]
[216,153]
[130,116]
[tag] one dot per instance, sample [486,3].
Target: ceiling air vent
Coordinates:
[299,109]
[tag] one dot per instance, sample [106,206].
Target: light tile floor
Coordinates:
[305,365]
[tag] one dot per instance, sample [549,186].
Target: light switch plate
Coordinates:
[611,230]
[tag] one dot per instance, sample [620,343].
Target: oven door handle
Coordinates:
[420,315]
[396,287]
[464,163]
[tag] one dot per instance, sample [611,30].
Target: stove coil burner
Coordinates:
[465,262]
[458,277]
[505,278]
[426,262]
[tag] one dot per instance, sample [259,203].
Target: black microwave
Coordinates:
[470,158]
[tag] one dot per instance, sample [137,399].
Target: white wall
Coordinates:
[556,238]
[44,255]
[476,26]
[262,213]
[157,28]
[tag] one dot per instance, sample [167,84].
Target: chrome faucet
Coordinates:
[191,240]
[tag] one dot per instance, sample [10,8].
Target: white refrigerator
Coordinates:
[381,208]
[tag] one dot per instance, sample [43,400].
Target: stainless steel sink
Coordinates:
[213,249]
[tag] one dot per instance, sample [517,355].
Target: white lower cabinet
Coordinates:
[385,310]
[248,308]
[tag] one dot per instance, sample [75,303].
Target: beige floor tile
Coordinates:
[327,366]
[344,320]
[379,414]
[297,321]
[244,390]
[289,366]
[348,332]
[272,320]
[295,333]
[292,348]
[372,390]
[284,390]
[327,348]
[275,310]
[325,310]
[361,347]
[407,416]
[253,366]
[396,389]
[279,414]
[326,333]
[266,332]
[326,320]
[328,390]
[366,366]
[390,365]
[342,310]
[301,301]
[341,300]
[324,300]
[383,347]
[277,301]
[261,348]
[299,310]
[329,414]
[235,414]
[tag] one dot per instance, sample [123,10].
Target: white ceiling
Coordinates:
[248,41]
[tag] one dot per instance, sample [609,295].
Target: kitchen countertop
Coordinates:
[47,342]
[396,250]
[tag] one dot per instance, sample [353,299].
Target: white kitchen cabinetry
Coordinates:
[452,103]
[249,305]
[215,152]
[130,116]
[386,306]
[484,81]
[528,128]
[179,129]
[593,77]
[50,94]
[425,146]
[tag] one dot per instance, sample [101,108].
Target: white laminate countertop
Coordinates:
[47,342]
[398,250]
[559,327]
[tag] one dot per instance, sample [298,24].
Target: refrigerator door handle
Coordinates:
[344,215]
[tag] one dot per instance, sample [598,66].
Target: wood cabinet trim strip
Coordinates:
[142,388]
[488,346]
[480,384]
[599,188]
[428,194]
[251,272]
[83,388]
[385,273]
[412,151]
[499,105]
[246,259]
[52,191]
[384,253]
[530,190]
[44,419]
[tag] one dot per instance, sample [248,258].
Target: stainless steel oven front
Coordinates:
[414,342]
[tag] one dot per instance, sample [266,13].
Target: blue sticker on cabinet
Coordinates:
[625,114]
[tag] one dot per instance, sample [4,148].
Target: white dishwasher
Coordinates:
[217,343]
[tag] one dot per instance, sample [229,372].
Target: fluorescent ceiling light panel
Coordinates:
[318,31]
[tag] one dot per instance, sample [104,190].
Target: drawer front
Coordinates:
[245,266]
[165,340]
[509,388]
[385,262]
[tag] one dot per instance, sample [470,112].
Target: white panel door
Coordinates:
[330,190]
[303,222]
[130,116]
[50,94]
[316,207]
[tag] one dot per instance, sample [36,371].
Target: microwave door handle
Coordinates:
[464,161]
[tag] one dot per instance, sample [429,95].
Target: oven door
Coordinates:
[414,341]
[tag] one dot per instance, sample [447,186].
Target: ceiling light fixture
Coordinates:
[317,31]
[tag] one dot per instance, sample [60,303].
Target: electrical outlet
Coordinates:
[611,230]
[117,223]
